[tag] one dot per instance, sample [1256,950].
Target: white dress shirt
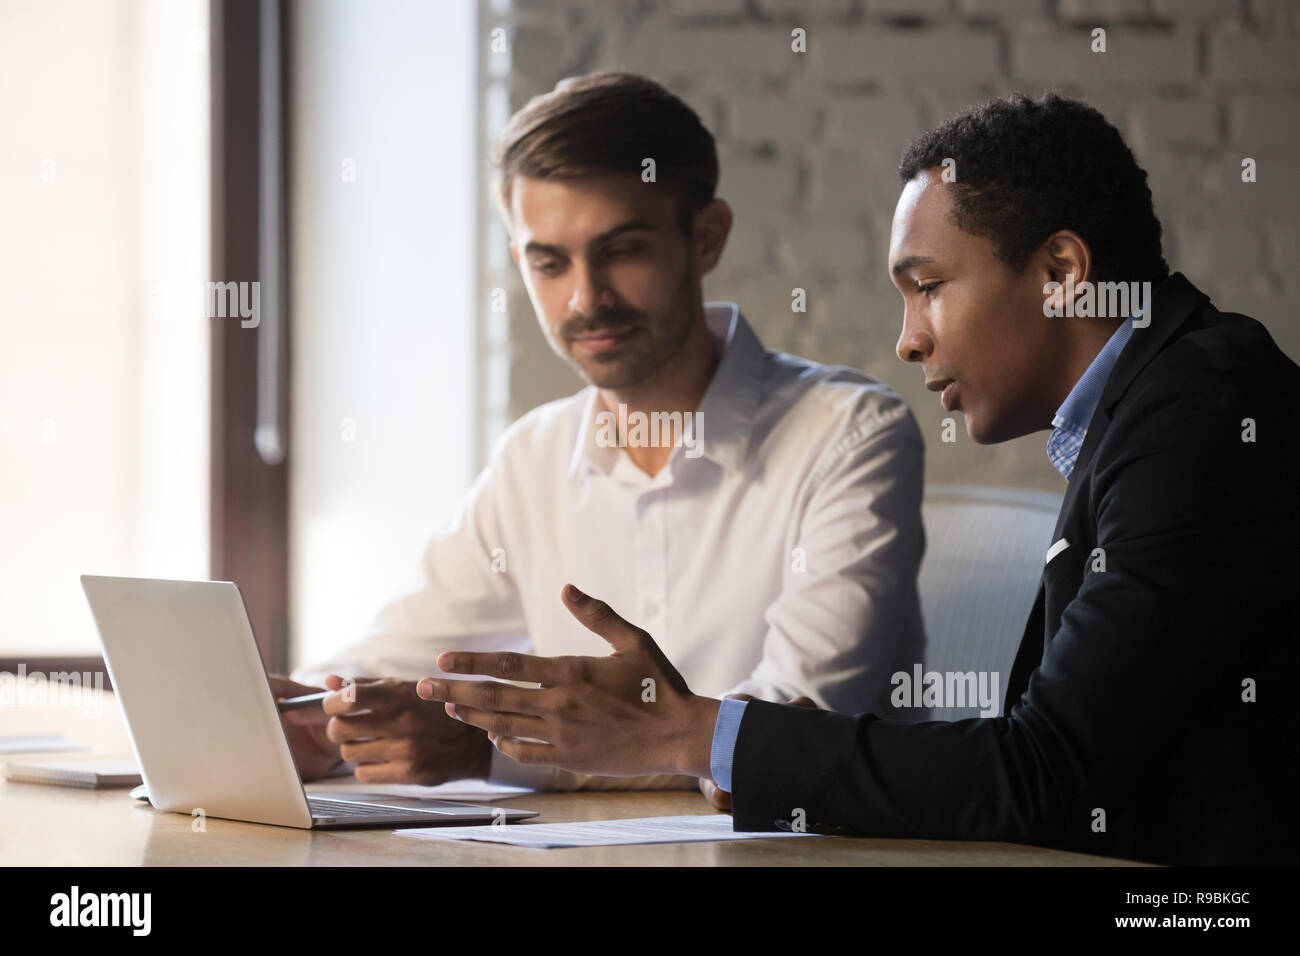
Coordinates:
[781,561]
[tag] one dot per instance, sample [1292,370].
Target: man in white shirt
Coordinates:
[759,512]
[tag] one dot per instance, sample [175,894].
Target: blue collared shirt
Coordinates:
[1068,430]
[1071,422]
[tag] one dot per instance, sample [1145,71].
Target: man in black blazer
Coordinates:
[1130,726]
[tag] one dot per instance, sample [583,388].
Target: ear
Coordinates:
[712,225]
[1065,253]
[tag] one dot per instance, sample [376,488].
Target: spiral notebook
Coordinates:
[91,774]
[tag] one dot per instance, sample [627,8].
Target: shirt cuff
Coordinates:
[725,732]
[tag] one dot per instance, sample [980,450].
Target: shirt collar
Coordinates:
[726,411]
[1078,408]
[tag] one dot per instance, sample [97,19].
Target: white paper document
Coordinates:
[51,743]
[704,828]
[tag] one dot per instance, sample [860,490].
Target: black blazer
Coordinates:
[1125,728]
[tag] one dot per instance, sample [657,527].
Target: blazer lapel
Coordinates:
[1096,428]
[1171,306]
[1173,302]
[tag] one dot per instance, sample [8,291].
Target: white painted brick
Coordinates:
[544,52]
[874,122]
[908,8]
[1253,60]
[764,183]
[806,250]
[781,119]
[871,312]
[1133,59]
[1003,8]
[744,50]
[748,248]
[704,8]
[806,11]
[1274,197]
[1093,11]
[1198,9]
[1182,121]
[1207,248]
[1175,174]
[936,57]
[766,300]
[1266,122]
[848,183]
[1273,9]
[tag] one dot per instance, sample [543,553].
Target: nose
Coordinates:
[914,342]
[590,290]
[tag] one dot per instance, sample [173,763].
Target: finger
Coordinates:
[370,751]
[740,697]
[599,618]
[524,751]
[504,664]
[391,771]
[284,687]
[803,702]
[360,727]
[500,725]
[305,716]
[483,695]
[355,696]
[718,798]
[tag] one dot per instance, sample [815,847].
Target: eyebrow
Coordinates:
[606,236]
[910,262]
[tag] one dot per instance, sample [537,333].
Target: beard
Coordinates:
[653,340]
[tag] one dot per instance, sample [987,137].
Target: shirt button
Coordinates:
[651,609]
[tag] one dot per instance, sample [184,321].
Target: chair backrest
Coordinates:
[984,556]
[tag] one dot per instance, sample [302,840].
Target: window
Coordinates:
[104,255]
[382,237]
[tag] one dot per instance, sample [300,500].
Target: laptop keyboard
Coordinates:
[321,807]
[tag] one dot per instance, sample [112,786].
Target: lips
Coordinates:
[948,388]
[604,339]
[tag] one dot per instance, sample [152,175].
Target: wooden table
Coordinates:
[45,825]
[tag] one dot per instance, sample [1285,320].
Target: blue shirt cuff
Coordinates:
[725,732]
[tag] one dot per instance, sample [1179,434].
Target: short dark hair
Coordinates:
[1026,168]
[610,122]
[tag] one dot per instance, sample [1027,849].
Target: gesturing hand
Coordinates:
[627,714]
[394,737]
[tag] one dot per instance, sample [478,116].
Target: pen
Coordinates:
[307,700]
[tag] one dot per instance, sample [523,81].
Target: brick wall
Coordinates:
[809,143]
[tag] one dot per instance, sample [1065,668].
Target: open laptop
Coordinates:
[203,721]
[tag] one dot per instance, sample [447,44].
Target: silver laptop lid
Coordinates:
[197,702]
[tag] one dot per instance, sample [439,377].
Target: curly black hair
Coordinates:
[1025,168]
